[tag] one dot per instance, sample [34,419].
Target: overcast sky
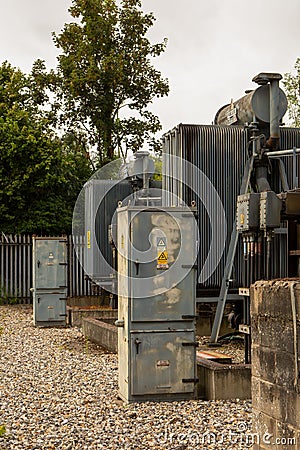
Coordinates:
[215,47]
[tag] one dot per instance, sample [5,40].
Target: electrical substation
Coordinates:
[226,214]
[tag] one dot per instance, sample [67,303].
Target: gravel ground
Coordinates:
[233,347]
[59,391]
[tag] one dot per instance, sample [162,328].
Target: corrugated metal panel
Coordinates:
[78,284]
[15,267]
[101,201]
[220,152]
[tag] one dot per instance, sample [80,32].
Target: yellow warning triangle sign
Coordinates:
[162,256]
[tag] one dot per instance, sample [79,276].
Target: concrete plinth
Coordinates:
[223,381]
[216,381]
[102,333]
[77,314]
[88,301]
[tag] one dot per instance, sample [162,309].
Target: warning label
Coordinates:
[162,254]
[162,260]
[161,242]
[162,257]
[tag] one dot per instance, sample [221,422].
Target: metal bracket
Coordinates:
[190,344]
[244,329]
[244,291]
[120,323]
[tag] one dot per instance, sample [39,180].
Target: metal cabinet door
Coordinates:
[161,364]
[50,307]
[162,294]
[50,256]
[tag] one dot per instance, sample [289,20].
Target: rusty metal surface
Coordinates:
[214,356]
[255,104]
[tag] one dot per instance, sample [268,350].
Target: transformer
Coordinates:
[101,201]
[220,152]
[241,161]
[231,172]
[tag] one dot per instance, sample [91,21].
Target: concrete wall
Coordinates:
[275,377]
[88,300]
[76,315]
[223,381]
[102,333]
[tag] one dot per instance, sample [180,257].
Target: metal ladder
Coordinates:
[230,258]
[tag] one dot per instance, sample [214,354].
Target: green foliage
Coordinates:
[97,98]
[2,430]
[105,69]
[40,174]
[158,168]
[291,83]
[5,297]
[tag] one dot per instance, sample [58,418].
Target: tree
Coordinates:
[106,68]
[291,83]
[40,174]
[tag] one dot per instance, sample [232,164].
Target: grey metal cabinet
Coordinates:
[49,281]
[157,249]
[160,363]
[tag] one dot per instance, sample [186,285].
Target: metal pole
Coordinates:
[273,140]
[295,178]
[290,152]
[268,262]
